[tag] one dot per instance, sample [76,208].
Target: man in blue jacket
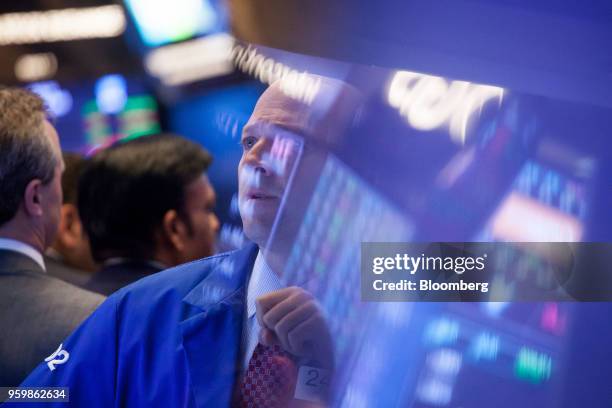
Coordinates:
[200,334]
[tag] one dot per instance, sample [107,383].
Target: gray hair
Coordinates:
[26,152]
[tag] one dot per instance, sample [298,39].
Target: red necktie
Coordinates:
[269,381]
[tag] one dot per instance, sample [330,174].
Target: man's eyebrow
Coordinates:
[245,132]
[268,127]
[250,128]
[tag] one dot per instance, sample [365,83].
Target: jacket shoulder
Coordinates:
[178,280]
[53,294]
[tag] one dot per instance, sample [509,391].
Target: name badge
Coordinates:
[312,384]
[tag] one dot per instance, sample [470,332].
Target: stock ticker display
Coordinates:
[465,354]
[506,353]
[430,355]
[342,212]
[509,354]
[502,354]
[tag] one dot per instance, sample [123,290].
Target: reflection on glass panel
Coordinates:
[401,156]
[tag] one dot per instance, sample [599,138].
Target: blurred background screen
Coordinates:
[91,114]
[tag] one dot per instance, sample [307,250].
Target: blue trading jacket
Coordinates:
[171,340]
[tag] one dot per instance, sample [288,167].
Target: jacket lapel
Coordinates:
[211,334]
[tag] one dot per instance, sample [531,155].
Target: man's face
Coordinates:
[268,156]
[52,192]
[200,201]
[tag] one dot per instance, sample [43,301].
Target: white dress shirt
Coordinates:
[263,280]
[25,249]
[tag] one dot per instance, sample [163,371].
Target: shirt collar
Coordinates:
[23,248]
[263,280]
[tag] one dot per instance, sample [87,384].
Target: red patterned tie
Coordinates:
[269,381]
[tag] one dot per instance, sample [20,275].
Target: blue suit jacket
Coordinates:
[171,340]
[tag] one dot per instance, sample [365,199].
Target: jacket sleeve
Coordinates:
[85,363]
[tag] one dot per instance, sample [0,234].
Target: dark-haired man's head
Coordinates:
[71,242]
[30,170]
[149,199]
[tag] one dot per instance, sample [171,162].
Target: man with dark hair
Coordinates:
[36,311]
[147,204]
[69,257]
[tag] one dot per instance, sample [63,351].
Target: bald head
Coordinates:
[319,108]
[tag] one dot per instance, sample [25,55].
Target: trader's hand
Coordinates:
[292,318]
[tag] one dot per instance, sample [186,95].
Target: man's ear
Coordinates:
[174,230]
[70,229]
[32,198]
